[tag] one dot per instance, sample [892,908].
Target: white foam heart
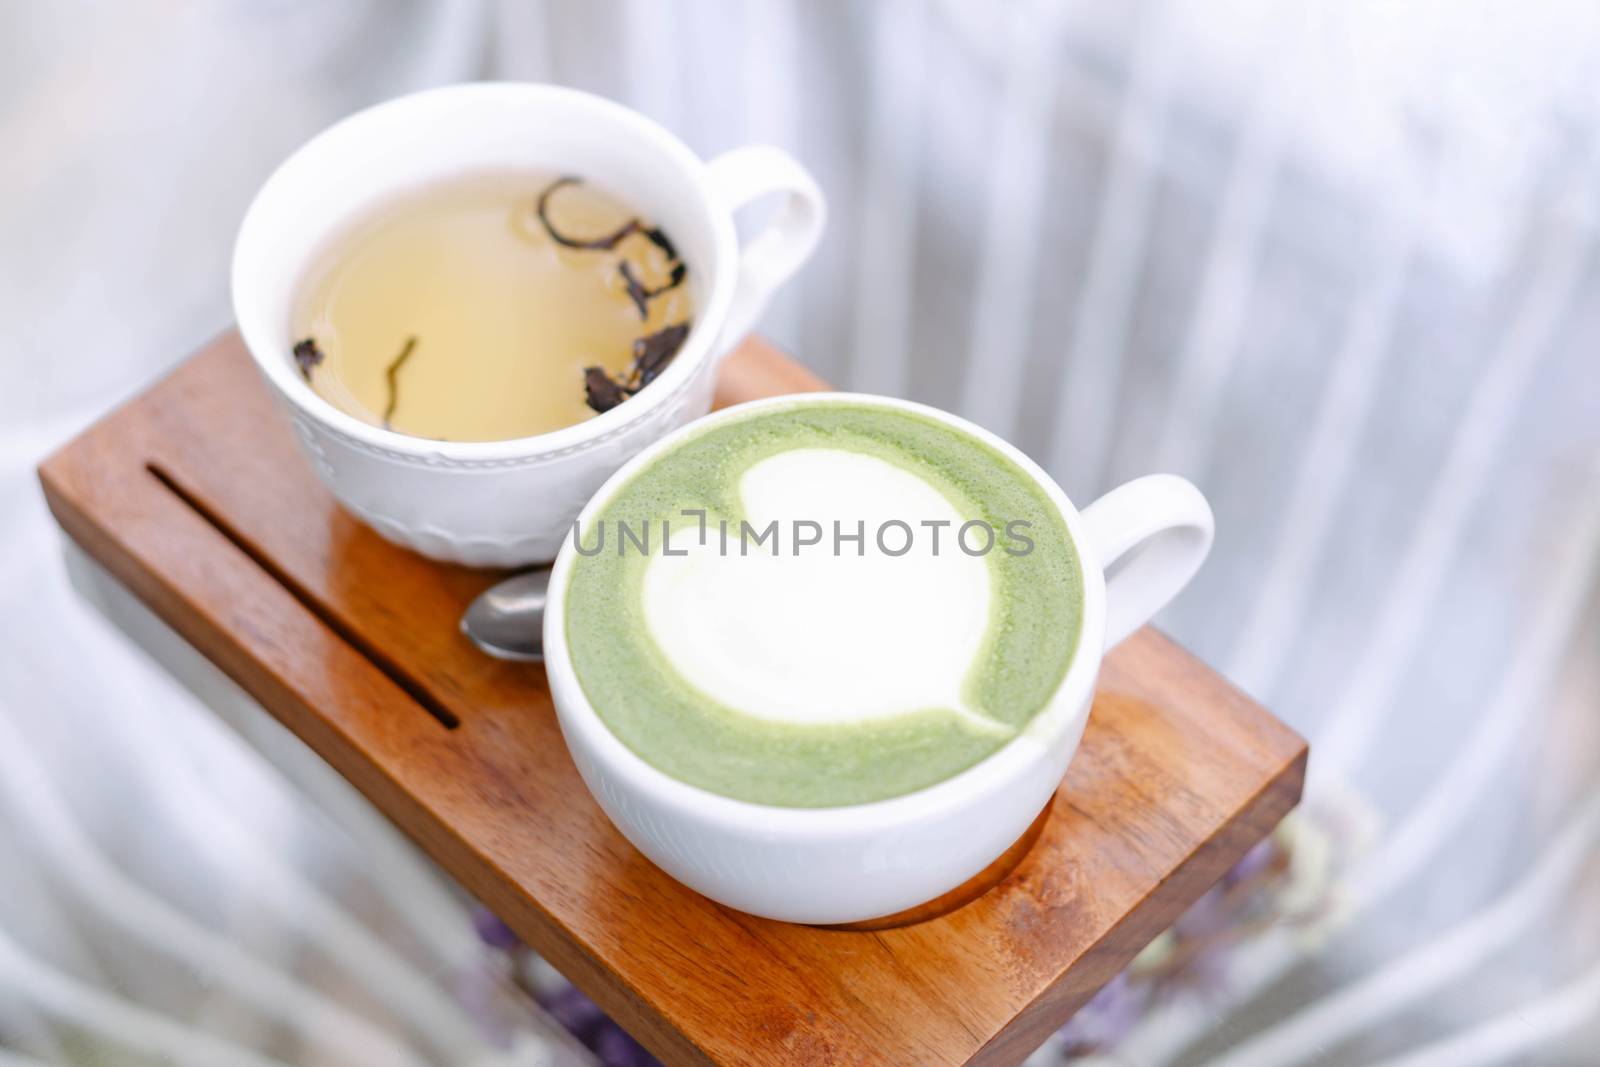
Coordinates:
[818,637]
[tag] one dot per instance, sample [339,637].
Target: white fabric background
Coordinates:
[1335,262]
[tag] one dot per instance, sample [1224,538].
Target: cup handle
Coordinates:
[773,255]
[1167,526]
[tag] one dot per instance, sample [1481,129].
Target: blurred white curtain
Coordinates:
[1333,261]
[166,894]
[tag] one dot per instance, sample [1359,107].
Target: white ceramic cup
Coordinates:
[847,864]
[505,503]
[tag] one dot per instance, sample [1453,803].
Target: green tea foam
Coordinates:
[822,605]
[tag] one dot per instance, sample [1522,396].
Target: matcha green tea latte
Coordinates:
[823,604]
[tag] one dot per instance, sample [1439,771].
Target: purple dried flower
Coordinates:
[614,1047]
[576,1012]
[582,1017]
[1205,918]
[492,931]
[1106,1019]
[1255,863]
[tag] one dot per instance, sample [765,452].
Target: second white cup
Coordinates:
[1138,546]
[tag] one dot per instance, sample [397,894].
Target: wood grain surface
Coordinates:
[194,496]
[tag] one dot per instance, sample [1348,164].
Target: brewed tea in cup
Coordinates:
[492,307]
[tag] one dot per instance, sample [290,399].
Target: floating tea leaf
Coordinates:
[653,352]
[636,290]
[391,375]
[306,356]
[600,390]
[658,237]
[640,294]
[602,244]
[518,317]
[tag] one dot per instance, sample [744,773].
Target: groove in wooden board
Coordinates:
[171,558]
[1176,777]
[380,659]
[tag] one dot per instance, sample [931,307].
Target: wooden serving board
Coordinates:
[194,496]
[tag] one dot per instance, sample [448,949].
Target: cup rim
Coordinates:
[275,360]
[1062,716]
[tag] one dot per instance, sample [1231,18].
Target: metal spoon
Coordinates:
[507,619]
